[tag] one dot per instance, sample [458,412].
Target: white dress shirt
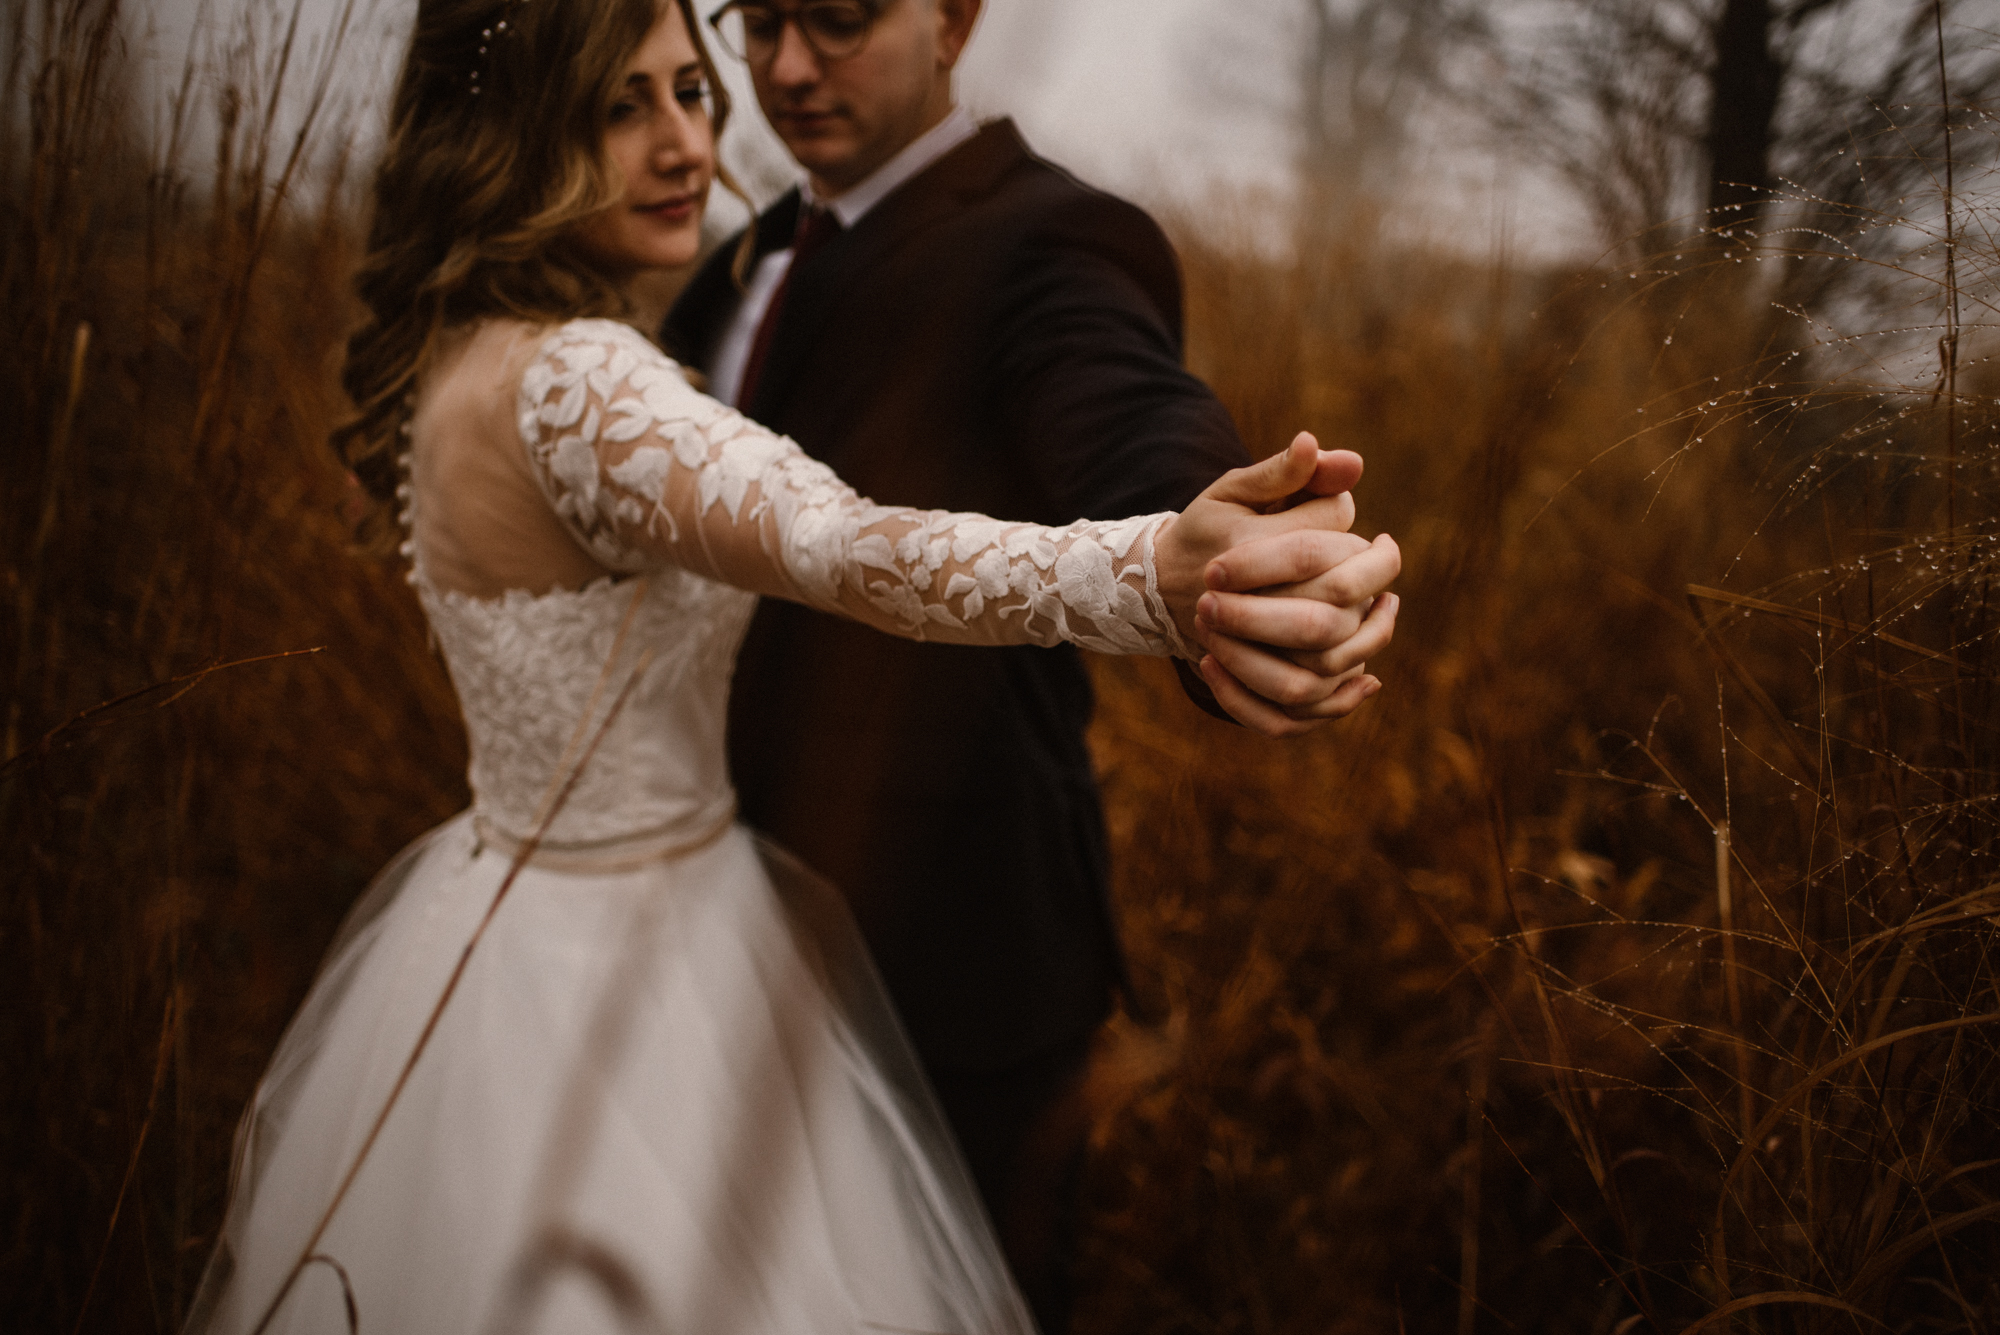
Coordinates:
[732,354]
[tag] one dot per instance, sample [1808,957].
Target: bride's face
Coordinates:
[662,145]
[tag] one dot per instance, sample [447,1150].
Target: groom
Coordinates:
[952,322]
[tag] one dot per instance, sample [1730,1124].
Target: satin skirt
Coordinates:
[670,1097]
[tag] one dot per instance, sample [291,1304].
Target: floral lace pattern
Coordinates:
[648,473]
[537,674]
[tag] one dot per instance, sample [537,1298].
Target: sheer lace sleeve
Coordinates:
[647,472]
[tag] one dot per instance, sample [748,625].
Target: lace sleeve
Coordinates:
[647,472]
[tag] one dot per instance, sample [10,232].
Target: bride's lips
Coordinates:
[674,208]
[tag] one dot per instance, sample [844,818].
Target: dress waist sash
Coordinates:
[617,853]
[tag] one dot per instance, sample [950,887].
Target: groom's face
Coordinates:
[844,118]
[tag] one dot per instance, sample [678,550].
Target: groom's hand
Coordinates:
[1293,654]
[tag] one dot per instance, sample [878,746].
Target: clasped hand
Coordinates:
[1261,571]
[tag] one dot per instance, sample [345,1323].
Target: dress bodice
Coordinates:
[538,676]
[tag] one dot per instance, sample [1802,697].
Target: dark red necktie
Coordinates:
[816,227]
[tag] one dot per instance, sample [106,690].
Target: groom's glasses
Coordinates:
[833,29]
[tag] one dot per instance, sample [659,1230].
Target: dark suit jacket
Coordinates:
[993,336]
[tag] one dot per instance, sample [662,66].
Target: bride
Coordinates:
[589,1056]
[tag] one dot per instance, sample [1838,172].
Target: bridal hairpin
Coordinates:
[487,36]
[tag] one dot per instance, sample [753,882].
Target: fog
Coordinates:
[1181,104]
[1184,105]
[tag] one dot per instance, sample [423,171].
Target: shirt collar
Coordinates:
[852,204]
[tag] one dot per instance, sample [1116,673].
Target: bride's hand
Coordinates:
[1293,654]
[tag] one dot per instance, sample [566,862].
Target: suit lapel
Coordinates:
[702,312]
[966,174]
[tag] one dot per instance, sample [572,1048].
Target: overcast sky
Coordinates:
[1171,102]
[1102,85]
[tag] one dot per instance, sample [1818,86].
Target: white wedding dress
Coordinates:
[666,1093]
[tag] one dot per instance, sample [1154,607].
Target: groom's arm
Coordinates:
[1086,373]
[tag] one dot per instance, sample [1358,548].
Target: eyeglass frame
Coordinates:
[790,15]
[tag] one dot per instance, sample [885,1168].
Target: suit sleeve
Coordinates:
[1087,369]
[1088,374]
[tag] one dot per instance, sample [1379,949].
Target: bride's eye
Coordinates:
[691,96]
[622,110]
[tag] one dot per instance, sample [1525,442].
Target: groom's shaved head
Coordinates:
[844,118]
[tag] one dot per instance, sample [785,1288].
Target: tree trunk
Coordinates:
[1744,86]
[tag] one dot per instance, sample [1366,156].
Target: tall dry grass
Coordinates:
[1630,963]
[184,815]
[1626,966]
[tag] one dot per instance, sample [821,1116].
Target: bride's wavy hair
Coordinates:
[495,152]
